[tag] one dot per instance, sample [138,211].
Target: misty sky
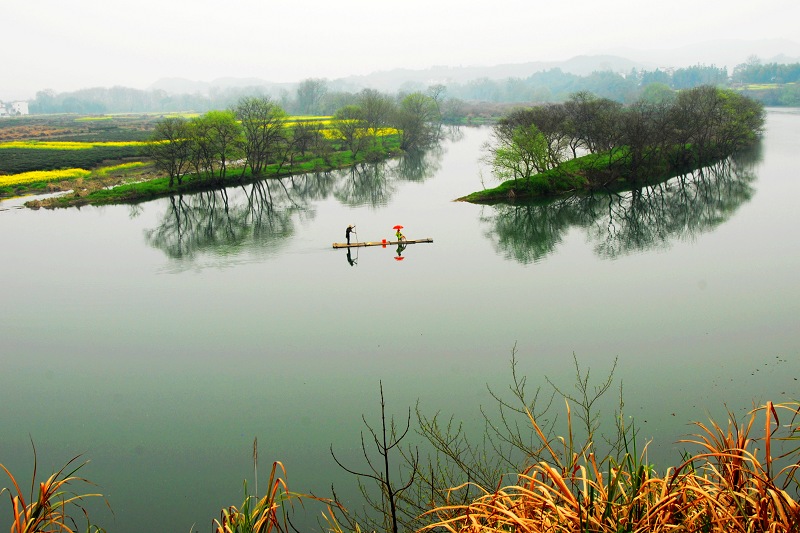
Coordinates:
[67,45]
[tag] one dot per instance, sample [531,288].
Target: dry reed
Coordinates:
[48,509]
[730,485]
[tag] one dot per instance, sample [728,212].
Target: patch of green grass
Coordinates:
[91,119]
[604,170]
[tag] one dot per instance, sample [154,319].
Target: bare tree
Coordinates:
[170,147]
[385,441]
[263,124]
[437,92]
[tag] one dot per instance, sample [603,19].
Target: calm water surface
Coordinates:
[158,340]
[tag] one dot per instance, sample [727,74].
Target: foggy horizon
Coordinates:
[93,43]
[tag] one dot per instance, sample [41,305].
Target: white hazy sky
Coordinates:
[66,45]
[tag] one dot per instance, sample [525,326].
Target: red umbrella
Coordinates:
[399,258]
[398,227]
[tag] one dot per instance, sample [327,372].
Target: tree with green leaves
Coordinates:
[657,93]
[698,75]
[550,121]
[377,111]
[350,125]
[310,94]
[306,135]
[418,120]
[217,140]
[639,142]
[517,151]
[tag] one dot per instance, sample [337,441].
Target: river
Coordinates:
[158,340]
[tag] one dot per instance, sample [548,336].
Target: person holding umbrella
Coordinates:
[400,236]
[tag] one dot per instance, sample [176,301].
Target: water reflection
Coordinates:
[420,166]
[259,215]
[365,185]
[400,249]
[263,215]
[374,184]
[350,259]
[618,224]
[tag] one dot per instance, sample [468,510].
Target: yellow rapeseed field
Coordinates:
[104,171]
[295,120]
[66,145]
[44,175]
[380,132]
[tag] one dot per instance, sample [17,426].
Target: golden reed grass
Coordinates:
[730,485]
[51,507]
[271,512]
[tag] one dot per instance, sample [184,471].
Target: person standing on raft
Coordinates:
[348,231]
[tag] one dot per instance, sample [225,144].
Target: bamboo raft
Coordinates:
[378,243]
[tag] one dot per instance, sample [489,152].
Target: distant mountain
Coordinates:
[180,86]
[392,80]
[581,65]
[186,86]
[721,53]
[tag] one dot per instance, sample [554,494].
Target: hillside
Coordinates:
[722,53]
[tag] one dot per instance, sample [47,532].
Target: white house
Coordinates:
[19,108]
[14,108]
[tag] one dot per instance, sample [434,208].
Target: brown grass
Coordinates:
[730,485]
[268,514]
[48,509]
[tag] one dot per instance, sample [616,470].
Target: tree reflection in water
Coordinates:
[262,215]
[622,223]
[212,222]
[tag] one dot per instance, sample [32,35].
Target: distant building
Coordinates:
[14,108]
[19,108]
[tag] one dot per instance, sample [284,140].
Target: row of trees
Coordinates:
[683,128]
[312,96]
[324,97]
[257,132]
[756,72]
[555,85]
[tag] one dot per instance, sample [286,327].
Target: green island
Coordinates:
[590,143]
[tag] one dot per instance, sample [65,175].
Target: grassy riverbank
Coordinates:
[148,185]
[605,170]
[99,160]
